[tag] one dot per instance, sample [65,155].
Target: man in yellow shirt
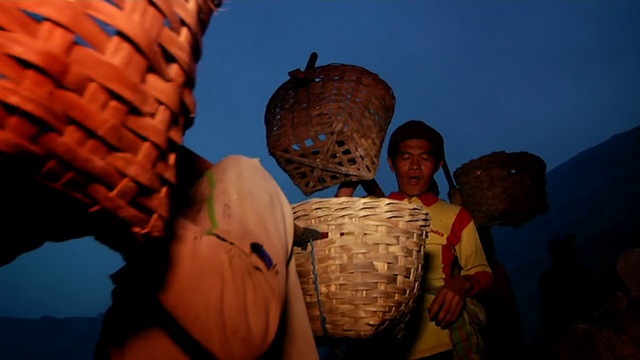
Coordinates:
[455,264]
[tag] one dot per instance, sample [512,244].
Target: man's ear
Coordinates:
[393,170]
[440,164]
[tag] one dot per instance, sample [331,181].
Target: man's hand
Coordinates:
[304,235]
[347,188]
[449,302]
[371,187]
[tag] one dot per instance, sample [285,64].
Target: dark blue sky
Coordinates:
[548,77]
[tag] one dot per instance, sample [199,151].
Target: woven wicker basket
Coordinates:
[501,188]
[366,274]
[327,124]
[99,94]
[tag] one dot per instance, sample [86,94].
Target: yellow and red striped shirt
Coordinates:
[453,234]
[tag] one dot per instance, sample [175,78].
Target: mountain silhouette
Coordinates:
[594,195]
[49,338]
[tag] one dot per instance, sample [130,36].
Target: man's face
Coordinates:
[414,167]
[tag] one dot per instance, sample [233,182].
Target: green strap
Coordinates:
[211,203]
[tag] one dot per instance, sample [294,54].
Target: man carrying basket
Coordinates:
[227,290]
[455,264]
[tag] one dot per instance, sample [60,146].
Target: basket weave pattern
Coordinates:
[327,125]
[368,270]
[99,95]
[503,188]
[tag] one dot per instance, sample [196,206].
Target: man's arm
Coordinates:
[475,268]
[476,274]
[371,187]
[346,189]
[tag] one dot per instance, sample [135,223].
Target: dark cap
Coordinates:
[416,129]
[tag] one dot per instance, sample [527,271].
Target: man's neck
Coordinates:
[427,199]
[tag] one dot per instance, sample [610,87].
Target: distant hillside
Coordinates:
[49,338]
[595,195]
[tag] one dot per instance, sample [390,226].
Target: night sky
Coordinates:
[549,77]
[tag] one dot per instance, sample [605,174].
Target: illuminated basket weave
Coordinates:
[501,188]
[99,94]
[366,275]
[327,124]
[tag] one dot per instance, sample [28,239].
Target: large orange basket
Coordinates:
[366,275]
[505,189]
[97,95]
[326,125]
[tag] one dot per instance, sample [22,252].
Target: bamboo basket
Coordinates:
[327,124]
[97,95]
[505,189]
[365,276]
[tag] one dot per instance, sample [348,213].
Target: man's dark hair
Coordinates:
[416,129]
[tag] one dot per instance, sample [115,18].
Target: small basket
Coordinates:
[506,189]
[366,274]
[327,124]
[98,94]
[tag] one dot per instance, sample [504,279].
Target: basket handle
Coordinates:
[447,175]
[311,63]
[300,76]
[454,195]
